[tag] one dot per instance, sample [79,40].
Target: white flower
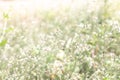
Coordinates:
[60,55]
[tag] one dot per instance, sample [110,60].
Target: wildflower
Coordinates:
[60,55]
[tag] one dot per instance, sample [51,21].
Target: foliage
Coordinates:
[61,44]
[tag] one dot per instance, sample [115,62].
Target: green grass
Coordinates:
[66,43]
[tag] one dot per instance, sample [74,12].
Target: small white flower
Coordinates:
[60,55]
[57,64]
[81,25]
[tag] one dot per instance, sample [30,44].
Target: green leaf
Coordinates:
[3,43]
[9,29]
[105,78]
[5,15]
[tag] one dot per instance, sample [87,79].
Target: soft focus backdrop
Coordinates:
[59,40]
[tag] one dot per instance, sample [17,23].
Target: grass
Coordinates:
[67,42]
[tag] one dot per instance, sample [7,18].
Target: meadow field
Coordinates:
[60,40]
